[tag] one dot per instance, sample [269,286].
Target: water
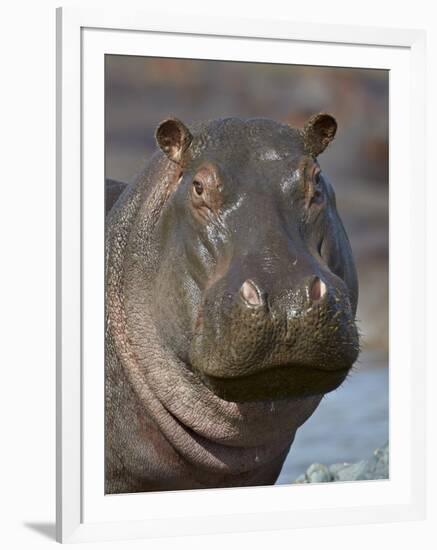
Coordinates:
[348,424]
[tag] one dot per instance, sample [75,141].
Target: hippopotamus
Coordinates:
[231,295]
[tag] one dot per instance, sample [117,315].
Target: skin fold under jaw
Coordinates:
[231,297]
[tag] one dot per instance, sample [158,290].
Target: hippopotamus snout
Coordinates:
[280,284]
[256,340]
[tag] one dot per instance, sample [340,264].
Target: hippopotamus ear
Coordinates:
[318,132]
[173,138]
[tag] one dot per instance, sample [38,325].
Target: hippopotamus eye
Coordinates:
[198,187]
[205,192]
[315,188]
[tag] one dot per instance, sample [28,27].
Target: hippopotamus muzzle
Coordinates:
[253,342]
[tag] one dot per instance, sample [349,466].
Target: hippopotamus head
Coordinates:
[256,290]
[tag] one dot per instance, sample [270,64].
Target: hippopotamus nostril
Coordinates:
[317,290]
[251,294]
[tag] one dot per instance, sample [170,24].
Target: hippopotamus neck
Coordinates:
[251,440]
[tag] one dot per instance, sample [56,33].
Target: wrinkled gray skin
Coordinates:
[231,295]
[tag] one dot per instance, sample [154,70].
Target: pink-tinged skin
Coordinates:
[230,301]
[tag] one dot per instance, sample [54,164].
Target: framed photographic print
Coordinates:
[239,337]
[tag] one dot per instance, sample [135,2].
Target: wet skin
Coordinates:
[231,300]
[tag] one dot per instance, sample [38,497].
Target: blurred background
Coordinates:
[140,92]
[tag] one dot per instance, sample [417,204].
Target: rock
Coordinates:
[353,472]
[376,467]
[336,468]
[318,473]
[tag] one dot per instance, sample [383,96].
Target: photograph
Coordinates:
[218,262]
[246,274]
